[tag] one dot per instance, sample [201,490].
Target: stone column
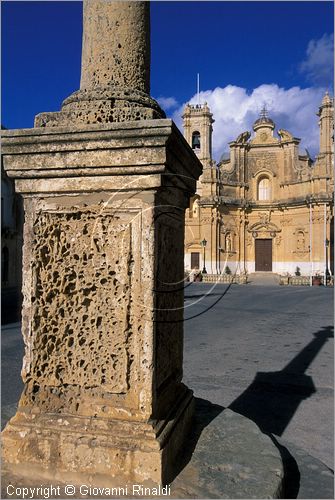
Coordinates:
[115,71]
[103,277]
[116,45]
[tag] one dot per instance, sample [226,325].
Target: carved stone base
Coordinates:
[109,452]
[102,105]
[103,303]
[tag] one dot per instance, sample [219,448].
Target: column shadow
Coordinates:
[205,413]
[272,398]
[270,401]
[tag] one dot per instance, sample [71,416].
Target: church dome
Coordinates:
[263,120]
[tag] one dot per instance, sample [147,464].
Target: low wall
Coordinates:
[302,280]
[243,279]
[219,278]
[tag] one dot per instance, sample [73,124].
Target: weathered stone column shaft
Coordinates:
[116,45]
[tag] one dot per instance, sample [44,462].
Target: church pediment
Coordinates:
[264,227]
[264,137]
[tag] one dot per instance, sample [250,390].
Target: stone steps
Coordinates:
[264,278]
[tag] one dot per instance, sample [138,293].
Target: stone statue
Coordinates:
[228,243]
[285,135]
[243,138]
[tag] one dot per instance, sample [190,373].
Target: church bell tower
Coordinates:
[197,123]
[326,123]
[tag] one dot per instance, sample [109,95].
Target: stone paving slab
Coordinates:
[232,459]
[312,477]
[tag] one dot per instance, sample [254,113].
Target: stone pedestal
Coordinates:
[103,300]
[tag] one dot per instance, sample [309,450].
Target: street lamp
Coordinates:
[203,244]
[327,271]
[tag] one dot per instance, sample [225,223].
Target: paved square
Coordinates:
[267,352]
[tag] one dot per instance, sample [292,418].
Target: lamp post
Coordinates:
[326,271]
[203,244]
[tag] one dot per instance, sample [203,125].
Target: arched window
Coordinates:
[195,208]
[4,265]
[264,189]
[196,140]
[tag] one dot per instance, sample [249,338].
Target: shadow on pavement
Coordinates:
[272,398]
[291,483]
[204,413]
[270,401]
[202,295]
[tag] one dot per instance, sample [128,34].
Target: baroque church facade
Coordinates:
[265,207]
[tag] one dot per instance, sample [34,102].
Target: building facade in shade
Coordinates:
[264,207]
[11,240]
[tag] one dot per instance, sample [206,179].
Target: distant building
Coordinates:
[264,206]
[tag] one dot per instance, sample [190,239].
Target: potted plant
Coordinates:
[198,276]
[227,270]
[317,279]
[297,271]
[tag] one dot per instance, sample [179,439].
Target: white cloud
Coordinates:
[319,63]
[235,110]
[167,102]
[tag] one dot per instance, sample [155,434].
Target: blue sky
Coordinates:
[247,53]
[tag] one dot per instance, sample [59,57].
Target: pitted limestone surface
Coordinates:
[116,44]
[80,302]
[94,402]
[102,105]
[115,74]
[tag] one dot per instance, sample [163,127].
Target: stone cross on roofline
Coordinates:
[264,112]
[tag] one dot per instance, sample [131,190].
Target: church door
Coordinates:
[263,255]
[195,260]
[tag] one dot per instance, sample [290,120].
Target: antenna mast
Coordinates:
[198,87]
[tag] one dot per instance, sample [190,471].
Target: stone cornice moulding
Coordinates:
[140,151]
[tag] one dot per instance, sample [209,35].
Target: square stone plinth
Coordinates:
[102,313]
